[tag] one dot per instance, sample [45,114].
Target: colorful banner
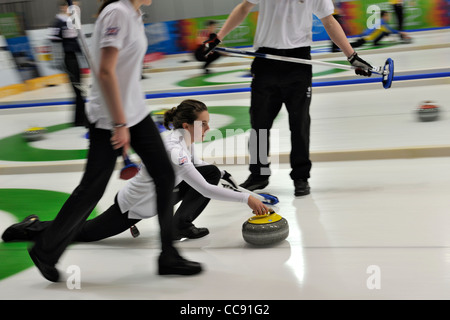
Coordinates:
[357,15]
[185,35]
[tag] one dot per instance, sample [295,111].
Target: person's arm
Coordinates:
[192,177]
[337,35]
[109,85]
[235,18]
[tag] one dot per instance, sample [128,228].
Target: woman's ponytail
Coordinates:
[168,117]
[186,112]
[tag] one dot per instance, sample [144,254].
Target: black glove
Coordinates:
[362,67]
[211,43]
[228,178]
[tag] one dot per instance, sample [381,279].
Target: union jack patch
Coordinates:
[182,160]
[112,31]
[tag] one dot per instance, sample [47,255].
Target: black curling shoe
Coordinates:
[169,264]
[255,182]
[301,187]
[47,270]
[191,233]
[18,231]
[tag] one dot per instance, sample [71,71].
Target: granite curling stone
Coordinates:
[34,134]
[265,229]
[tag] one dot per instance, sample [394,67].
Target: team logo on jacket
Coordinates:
[112,31]
[182,160]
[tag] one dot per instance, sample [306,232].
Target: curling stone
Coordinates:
[265,229]
[34,133]
[158,115]
[428,111]
[158,118]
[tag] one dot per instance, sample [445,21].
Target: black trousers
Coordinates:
[380,37]
[147,143]
[398,9]
[73,71]
[192,202]
[110,223]
[113,222]
[276,83]
[199,55]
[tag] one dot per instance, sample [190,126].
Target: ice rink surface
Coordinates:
[375,226]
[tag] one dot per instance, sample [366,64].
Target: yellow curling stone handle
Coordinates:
[32,129]
[265,218]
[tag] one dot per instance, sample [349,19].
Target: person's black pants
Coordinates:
[113,222]
[398,9]
[276,83]
[379,37]
[147,143]
[199,55]
[110,223]
[192,202]
[73,71]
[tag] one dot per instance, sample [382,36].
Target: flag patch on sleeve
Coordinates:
[182,160]
[112,31]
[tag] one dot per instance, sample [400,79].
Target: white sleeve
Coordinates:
[113,29]
[323,8]
[192,177]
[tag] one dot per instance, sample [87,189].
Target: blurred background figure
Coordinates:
[397,5]
[375,35]
[210,27]
[67,41]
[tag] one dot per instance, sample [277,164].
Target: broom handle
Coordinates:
[127,160]
[257,196]
[74,10]
[290,59]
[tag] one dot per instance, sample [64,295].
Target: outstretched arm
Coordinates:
[338,36]
[235,18]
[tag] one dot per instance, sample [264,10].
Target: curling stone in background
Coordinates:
[158,119]
[34,134]
[428,111]
[265,230]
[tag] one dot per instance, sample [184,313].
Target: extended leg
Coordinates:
[51,243]
[147,143]
[110,223]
